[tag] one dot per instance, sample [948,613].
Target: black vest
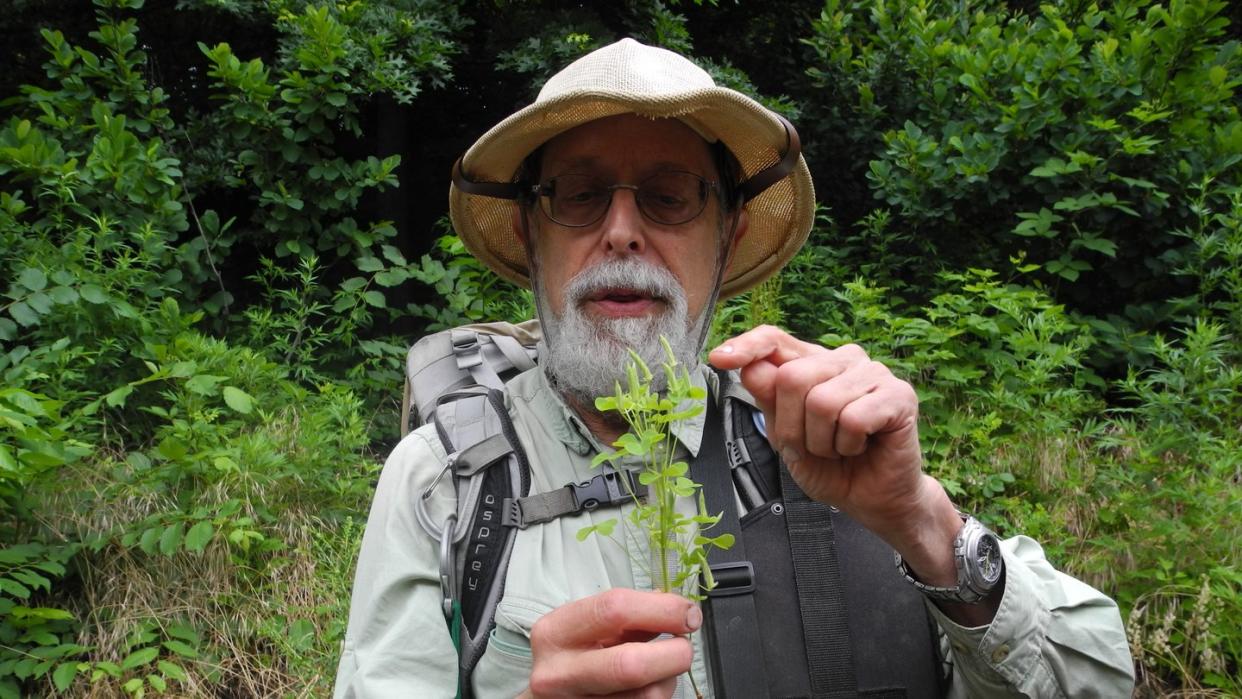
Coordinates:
[884,645]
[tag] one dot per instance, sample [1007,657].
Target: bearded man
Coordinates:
[630,196]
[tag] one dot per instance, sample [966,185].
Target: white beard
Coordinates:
[586,356]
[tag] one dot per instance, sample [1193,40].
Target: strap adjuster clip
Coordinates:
[604,489]
[732,578]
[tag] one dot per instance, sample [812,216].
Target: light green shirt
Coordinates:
[1053,636]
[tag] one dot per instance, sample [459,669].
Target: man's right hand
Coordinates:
[601,646]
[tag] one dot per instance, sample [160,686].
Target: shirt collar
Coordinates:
[573,432]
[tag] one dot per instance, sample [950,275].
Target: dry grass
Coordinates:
[240,604]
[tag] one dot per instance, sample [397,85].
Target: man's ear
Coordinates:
[520,223]
[739,230]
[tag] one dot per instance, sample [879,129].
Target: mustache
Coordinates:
[629,275]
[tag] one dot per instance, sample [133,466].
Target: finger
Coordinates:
[659,690]
[764,342]
[610,616]
[794,381]
[628,667]
[759,378]
[890,409]
[825,402]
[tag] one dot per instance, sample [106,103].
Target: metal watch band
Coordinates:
[971,587]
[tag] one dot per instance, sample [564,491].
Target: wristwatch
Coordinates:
[977,555]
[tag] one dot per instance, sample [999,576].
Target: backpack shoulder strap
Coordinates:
[455,379]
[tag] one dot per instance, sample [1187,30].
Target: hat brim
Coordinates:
[780,218]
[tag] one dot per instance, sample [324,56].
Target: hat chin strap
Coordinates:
[709,308]
[749,189]
[769,176]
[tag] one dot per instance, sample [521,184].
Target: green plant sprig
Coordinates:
[651,416]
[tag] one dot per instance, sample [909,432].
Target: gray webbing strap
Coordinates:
[738,669]
[468,349]
[608,488]
[482,454]
[518,356]
[817,573]
[540,508]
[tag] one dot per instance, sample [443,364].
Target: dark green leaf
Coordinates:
[23,314]
[32,278]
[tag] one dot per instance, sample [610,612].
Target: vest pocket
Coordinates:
[506,642]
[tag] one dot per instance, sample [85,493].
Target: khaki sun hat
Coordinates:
[629,77]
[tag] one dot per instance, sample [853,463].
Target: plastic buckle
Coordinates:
[732,578]
[600,490]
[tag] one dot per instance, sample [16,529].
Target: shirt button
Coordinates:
[1001,652]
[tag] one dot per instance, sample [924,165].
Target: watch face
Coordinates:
[988,559]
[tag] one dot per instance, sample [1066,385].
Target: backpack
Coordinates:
[815,592]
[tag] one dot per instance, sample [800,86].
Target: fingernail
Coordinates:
[791,455]
[725,349]
[694,618]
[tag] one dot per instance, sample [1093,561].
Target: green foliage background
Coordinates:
[221,223]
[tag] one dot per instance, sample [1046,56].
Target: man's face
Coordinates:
[625,279]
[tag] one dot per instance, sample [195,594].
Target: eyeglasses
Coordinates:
[668,198]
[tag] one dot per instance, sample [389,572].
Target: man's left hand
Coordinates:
[848,431]
[845,426]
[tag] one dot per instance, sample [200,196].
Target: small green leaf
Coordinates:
[149,539]
[157,683]
[369,264]
[172,449]
[172,670]
[93,294]
[204,384]
[171,539]
[181,648]
[140,657]
[63,294]
[63,675]
[23,314]
[238,400]
[117,397]
[199,536]
[374,298]
[32,278]
[14,588]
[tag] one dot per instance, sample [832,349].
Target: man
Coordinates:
[643,192]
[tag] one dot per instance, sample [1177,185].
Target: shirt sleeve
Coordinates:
[397,643]
[1053,636]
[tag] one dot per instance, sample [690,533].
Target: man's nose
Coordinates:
[623,227]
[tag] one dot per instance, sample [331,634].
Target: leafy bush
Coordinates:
[1073,136]
[1035,219]
[155,478]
